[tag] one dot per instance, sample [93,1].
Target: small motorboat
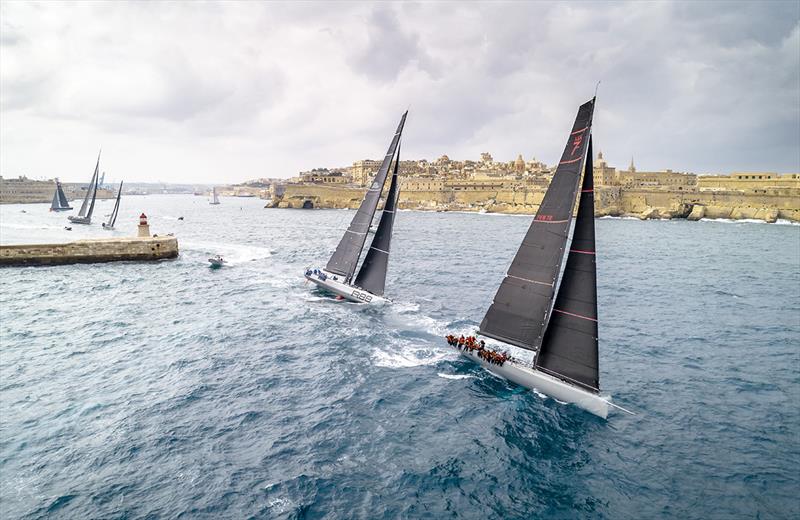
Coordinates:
[217,262]
[68,228]
[180,218]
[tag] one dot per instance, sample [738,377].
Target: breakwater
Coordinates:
[610,200]
[90,251]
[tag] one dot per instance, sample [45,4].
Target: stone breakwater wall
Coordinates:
[90,251]
[613,201]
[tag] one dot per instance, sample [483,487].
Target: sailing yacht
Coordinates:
[113,218]
[215,197]
[339,275]
[87,208]
[533,311]
[60,202]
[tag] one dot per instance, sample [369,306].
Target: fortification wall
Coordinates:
[612,200]
[90,251]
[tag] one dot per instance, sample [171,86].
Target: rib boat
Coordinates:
[60,202]
[534,309]
[339,275]
[112,219]
[87,208]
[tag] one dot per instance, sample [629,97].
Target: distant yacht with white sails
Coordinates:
[339,275]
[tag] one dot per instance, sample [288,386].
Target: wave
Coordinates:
[455,376]
[233,253]
[409,356]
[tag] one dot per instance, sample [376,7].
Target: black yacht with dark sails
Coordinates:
[60,202]
[87,207]
[533,309]
[339,275]
[112,219]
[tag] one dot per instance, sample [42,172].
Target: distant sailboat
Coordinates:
[215,197]
[113,218]
[563,334]
[338,275]
[60,202]
[85,214]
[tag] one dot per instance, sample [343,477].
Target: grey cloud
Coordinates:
[702,86]
[389,47]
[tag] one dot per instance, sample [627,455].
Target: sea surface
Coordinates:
[170,390]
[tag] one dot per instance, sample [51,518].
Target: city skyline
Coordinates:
[225,92]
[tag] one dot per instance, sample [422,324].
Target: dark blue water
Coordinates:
[170,390]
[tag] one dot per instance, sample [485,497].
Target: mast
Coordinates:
[569,347]
[372,275]
[113,219]
[61,196]
[82,212]
[345,259]
[519,313]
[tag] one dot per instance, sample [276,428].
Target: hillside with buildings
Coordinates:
[518,186]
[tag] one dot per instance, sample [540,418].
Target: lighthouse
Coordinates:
[144,227]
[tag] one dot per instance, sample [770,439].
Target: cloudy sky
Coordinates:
[227,91]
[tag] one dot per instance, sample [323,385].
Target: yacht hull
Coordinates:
[79,220]
[348,292]
[546,384]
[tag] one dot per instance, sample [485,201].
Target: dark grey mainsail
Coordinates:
[345,258]
[113,218]
[569,347]
[90,189]
[372,275]
[519,313]
[61,196]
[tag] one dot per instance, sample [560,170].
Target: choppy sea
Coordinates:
[169,390]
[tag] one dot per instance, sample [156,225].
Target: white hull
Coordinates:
[546,384]
[339,288]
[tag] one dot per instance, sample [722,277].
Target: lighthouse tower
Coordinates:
[144,227]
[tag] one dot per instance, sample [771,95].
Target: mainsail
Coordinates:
[519,313]
[113,218]
[569,347]
[372,275]
[90,189]
[345,258]
[61,196]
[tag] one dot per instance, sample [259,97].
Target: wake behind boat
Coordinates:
[338,275]
[87,208]
[563,334]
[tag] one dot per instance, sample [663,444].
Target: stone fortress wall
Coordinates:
[519,186]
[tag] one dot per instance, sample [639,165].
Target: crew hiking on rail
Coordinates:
[471,344]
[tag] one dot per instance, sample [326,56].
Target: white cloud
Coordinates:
[226,91]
